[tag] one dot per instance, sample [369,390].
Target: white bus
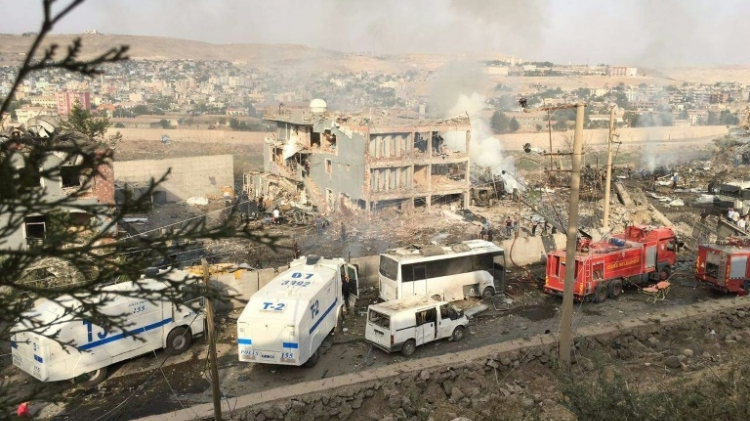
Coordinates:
[468,269]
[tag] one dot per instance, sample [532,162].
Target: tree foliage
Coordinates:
[500,122]
[86,245]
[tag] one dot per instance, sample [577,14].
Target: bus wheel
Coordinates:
[458,334]
[488,293]
[600,293]
[178,340]
[410,347]
[91,379]
[313,360]
[664,273]
[614,289]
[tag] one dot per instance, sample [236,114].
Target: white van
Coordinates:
[154,325]
[403,325]
[286,321]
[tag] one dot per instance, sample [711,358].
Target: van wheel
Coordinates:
[313,360]
[664,273]
[458,334]
[410,347]
[179,340]
[488,293]
[614,289]
[91,379]
[600,293]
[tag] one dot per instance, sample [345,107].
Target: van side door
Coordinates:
[352,271]
[446,322]
[426,325]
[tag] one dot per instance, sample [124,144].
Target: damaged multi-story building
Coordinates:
[336,162]
[95,190]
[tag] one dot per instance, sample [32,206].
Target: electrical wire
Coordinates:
[107,414]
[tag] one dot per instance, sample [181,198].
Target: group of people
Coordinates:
[736,218]
[512,227]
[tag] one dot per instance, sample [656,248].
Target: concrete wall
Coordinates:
[195,176]
[192,135]
[348,166]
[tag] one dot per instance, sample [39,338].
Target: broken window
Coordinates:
[36,229]
[329,166]
[29,178]
[315,140]
[70,176]
[330,139]
[420,143]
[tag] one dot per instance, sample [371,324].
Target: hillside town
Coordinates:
[442,237]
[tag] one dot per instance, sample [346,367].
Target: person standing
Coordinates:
[508,226]
[346,290]
[675,179]
[276,216]
[545,228]
[534,224]
[704,215]
[742,224]
[343,232]
[515,225]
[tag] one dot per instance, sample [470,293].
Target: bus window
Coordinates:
[388,267]
[420,272]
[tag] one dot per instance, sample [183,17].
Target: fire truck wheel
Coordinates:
[746,287]
[91,379]
[614,289]
[178,340]
[664,273]
[488,293]
[600,293]
[410,347]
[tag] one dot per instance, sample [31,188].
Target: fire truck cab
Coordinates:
[636,256]
[724,266]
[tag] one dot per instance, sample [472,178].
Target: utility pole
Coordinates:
[608,183]
[212,345]
[570,248]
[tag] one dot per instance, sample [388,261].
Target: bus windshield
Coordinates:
[388,267]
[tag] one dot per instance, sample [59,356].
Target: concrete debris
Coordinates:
[473,311]
[677,202]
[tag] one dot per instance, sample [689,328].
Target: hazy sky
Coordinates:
[641,32]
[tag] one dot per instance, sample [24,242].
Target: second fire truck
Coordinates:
[639,255]
[724,266]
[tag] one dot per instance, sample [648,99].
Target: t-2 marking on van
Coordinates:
[274,306]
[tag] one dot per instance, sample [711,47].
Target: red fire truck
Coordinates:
[640,254]
[724,266]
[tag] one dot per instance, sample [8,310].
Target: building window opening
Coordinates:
[30,178]
[36,229]
[330,140]
[315,140]
[71,176]
[329,166]
[420,143]
[438,148]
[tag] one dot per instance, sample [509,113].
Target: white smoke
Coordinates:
[486,149]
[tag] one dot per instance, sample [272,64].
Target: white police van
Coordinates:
[153,325]
[286,321]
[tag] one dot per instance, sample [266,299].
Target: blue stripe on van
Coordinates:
[125,334]
[38,358]
[13,345]
[290,345]
[244,341]
[324,315]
